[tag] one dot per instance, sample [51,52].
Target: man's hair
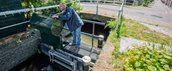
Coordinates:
[62,4]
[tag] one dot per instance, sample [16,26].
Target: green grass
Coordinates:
[134,29]
[139,31]
[147,2]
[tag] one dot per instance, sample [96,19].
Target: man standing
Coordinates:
[73,22]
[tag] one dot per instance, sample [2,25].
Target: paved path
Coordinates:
[157,16]
[126,43]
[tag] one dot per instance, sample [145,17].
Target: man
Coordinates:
[73,22]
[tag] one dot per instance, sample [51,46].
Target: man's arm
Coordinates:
[55,16]
[66,16]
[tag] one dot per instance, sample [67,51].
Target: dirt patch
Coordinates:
[104,63]
[12,38]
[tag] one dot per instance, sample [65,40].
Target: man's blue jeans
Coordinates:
[77,37]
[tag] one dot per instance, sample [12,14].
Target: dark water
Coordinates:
[99,29]
[38,62]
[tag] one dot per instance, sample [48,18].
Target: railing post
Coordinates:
[125,2]
[113,1]
[120,13]
[93,29]
[33,9]
[104,1]
[90,1]
[100,41]
[97,7]
[79,1]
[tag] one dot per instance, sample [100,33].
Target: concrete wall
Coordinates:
[101,18]
[15,52]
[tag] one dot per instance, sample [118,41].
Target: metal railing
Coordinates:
[102,1]
[93,32]
[14,25]
[12,12]
[48,7]
[93,36]
[120,13]
[73,64]
[33,9]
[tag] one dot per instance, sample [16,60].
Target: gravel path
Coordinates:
[105,58]
[129,42]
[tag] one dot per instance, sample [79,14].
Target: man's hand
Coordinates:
[55,17]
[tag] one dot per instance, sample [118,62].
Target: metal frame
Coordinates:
[120,13]
[54,6]
[68,58]
[14,25]
[93,31]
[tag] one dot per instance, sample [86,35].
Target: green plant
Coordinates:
[111,24]
[18,41]
[145,58]
[121,27]
[117,27]
[39,3]
[136,30]
[73,4]
[146,2]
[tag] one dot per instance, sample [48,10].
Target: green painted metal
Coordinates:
[50,29]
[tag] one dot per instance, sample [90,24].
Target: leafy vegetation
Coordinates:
[147,59]
[73,4]
[143,2]
[139,31]
[116,27]
[147,2]
[40,3]
[134,29]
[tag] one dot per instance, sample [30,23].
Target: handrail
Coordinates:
[14,11]
[14,25]
[95,22]
[46,7]
[53,6]
[28,9]
[120,13]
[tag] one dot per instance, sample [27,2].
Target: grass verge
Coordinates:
[139,31]
[134,29]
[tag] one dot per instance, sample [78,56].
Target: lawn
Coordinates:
[139,31]
[134,29]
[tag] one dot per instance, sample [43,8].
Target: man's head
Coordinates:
[62,6]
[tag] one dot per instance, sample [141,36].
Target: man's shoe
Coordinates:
[72,48]
[77,50]
[71,44]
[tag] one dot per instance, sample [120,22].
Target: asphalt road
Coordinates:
[157,16]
